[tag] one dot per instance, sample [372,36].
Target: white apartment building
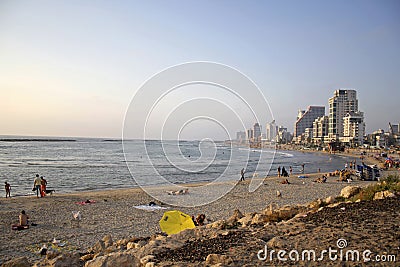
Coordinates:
[320,128]
[271,131]
[353,128]
[342,102]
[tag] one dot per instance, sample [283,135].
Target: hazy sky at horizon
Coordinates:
[70,68]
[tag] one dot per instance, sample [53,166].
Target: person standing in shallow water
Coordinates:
[242,175]
[7,186]
[37,183]
[279,171]
[43,186]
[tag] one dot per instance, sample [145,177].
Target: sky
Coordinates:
[71,68]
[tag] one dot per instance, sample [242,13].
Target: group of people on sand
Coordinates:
[39,185]
[282,172]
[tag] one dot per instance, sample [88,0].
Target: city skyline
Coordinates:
[71,68]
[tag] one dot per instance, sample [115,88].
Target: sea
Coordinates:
[89,164]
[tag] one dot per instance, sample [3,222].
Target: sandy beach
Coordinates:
[113,212]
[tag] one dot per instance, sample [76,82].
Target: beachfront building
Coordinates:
[353,129]
[320,129]
[283,136]
[257,132]
[250,135]
[271,131]
[306,118]
[343,102]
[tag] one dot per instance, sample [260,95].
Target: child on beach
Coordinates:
[7,186]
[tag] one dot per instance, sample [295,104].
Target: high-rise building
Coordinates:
[342,102]
[306,118]
[353,128]
[257,132]
[250,134]
[394,128]
[270,131]
[283,135]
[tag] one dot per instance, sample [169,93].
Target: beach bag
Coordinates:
[33,189]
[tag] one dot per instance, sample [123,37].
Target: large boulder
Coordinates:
[121,259]
[17,262]
[350,191]
[107,241]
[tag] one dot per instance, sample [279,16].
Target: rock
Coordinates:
[107,240]
[259,219]
[121,259]
[122,242]
[131,245]
[278,193]
[232,222]
[316,204]
[98,247]
[350,191]
[17,262]
[213,259]
[288,212]
[330,200]
[220,224]
[63,260]
[383,195]
[87,257]
[276,242]
[146,259]
[246,220]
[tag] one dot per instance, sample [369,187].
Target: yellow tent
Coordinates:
[174,221]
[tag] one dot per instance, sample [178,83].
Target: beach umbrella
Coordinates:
[174,221]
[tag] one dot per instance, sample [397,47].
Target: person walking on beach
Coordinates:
[43,184]
[279,171]
[290,170]
[242,175]
[7,186]
[37,183]
[302,168]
